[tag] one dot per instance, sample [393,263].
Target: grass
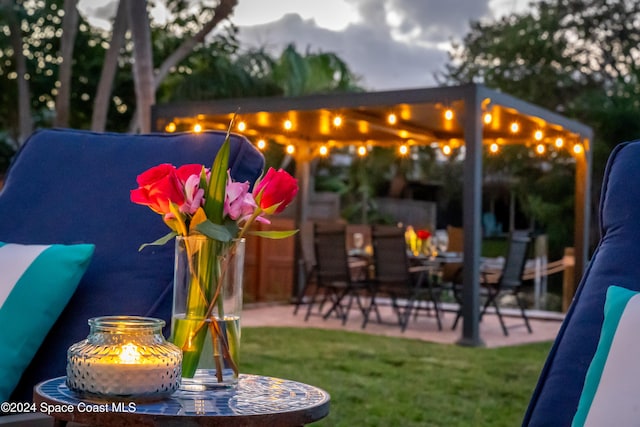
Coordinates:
[383,381]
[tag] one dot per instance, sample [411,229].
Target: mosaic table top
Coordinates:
[256,401]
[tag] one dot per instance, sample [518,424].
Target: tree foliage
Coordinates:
[580,58]
[196,66]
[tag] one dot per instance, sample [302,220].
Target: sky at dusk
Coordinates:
[389,44]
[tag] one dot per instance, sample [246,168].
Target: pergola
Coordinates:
[471,115]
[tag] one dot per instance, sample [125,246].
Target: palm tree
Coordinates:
[319,72]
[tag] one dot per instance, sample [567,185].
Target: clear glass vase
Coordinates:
[207,306]
[124,357]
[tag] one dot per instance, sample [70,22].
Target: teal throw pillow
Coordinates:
[36,283]
[610,396]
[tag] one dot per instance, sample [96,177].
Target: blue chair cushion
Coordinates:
[70,187]
[616,261]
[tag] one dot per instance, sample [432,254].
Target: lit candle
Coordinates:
[128,374]
[116,362]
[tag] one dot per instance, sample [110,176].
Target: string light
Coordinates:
[448,114]
[170,127]
[403,149]
[538,135]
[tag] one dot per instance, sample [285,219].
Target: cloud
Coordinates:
[438,20]
[367,47]
[100,13]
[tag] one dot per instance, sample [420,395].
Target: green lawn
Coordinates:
[381,381]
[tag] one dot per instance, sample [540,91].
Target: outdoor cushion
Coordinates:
[36,283]
[615,261]
[612,386]
[69,187]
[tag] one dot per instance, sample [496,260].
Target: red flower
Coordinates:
[185,171]
[157,187]
[423,234]
[275,191]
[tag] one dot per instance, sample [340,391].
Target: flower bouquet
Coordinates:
[209,214]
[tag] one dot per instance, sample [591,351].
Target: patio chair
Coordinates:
[69,187]
[616,261]
[509,282]
[405,285]
[333,275]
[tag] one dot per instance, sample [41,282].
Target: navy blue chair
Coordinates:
[68,186]
[616,261]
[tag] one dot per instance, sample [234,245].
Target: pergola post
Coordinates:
[303,175]
[472,210]
[582,209]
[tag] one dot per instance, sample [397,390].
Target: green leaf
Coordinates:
[214,198]
[231,226]
[274,234]
[214,204]
[215,231]
[161,241]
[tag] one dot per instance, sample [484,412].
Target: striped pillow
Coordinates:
[612,384]
[36,283]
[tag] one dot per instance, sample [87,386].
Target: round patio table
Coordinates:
[257,401]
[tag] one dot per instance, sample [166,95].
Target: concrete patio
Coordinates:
[545,325]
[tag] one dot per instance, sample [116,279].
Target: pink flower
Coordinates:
[193,195]
[275,191]
[157,187]
[238,202]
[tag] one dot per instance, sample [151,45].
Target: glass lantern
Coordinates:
[124,357]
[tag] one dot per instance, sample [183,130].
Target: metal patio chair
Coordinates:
[509,281]
[332,274]
[407,286]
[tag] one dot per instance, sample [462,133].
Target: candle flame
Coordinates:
[129,354]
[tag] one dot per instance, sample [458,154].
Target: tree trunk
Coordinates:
[69,30]
[102,100]
[221,12]
[24,94]
[142,62]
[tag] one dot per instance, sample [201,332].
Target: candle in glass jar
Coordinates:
[124,357]
[128,373]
